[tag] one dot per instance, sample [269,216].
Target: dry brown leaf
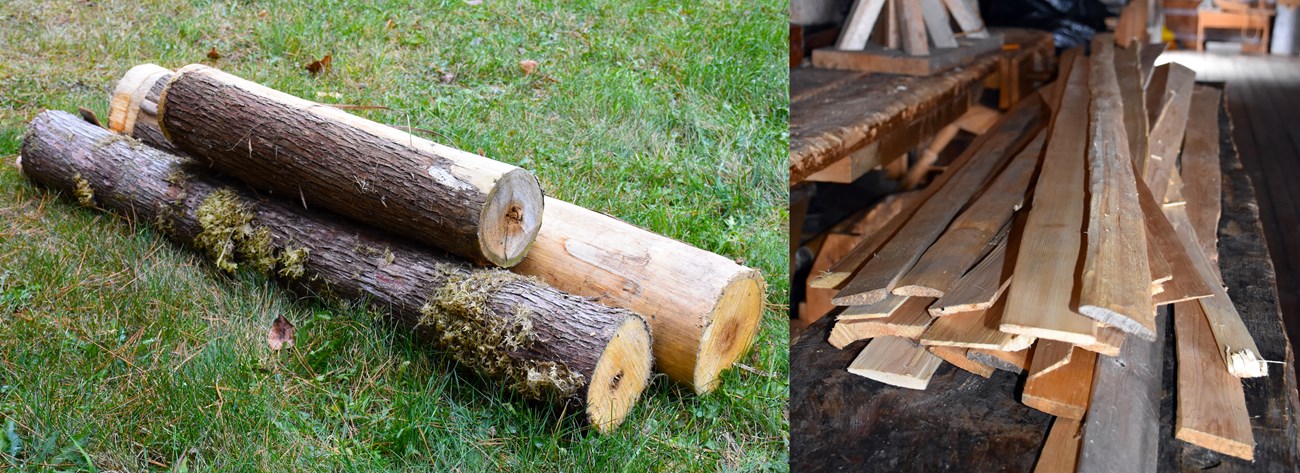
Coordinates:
[321,66]
[528,66]
[263,13]
[213,54]
[389,24]
[89,116]
[281,334]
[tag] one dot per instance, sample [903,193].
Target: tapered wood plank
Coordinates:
[1147,63]
[896,361]
[1061,451]
[858,26]
[1122,427]
[1063,392]
[1012,361]
[1186,284]
[1129,72]
[978,329]
[880,274]
[876,310]
[1051,242]
[909,321]
[1050,355]
[974,231]
[1115,283]
[818,301]
[1109,341]
[1166,138]
[889,216]
[1202,181]
[968,19]
[1211,409]
[957,357]
[979,287]
[912,23]
[937,23]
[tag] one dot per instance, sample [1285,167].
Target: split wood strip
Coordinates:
[1050,355]
[930,155]
[1037,304]
[861,21]
[1013,361]
[937,23]
[972,232]
[1202,179]
[978,119]
[896,361]
[1063,392]
[885,218]
[1061,451]
[893,37]
[1147,61]
[884,308]
[979,287]
[1211,402]
[1109,341]
[967,18]
[913,28]
[1185,285]
[957,357]
[910,321]
[1115,285]
[1122,426]
[1128,70]
[978,329]
[878,276]
[1161,272]
[817,302]
[1167,132]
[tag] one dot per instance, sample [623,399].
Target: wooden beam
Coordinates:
[967,18]
[930,155]
[937,23]
[1115,286]
[1050,244]
[896,361]
[1167,131]
[1061,451]
[913,28]
[1211,409]
[862,19]
[979,287]
[957,357]
[1128,71]
[877,277]
[1123,421]
[818,301]
[851,167]
[1063,392]
[1202,179]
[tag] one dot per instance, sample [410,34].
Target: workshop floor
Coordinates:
[1264,101]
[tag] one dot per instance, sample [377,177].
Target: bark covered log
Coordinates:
[467,204]
[543,342]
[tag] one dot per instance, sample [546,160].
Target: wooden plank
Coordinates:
[979,287]
[957,357]
[1013,361]
[1147,62]
[973,232]
[886,218]
[978,119]
[1115,286]
[1128,71]
[1211,403]
[978,329]
[967,18]
[818,301]
[851,167]
[1202,182]
[1061,451]
[1050,244]
[913,28]
[893,37]
[862,19]
[1050,355]
[891,61]
[1063,392]
[877,310]
[937,23]
[878,276]
[1186,284]
[909,321]
[1123,421]
[896,361]
[1166,138]
[1109,341]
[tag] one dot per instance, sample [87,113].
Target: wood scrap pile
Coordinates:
[1053,248]
[320,198]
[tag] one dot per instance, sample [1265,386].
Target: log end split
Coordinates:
[124,103]
[732,326]
[511,218]
[620,376]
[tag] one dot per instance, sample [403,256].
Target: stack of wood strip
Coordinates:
[1054,247]
[902,44]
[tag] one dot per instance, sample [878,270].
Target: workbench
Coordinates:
[843,422]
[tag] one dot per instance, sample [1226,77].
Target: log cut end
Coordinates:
[620,376]
[124,103]
[511,218]
[732,326]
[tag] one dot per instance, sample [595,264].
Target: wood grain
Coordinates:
[980,287]
[977,329]
[912,23]
[858,26]
[896,361]
[1211,409]
[1063,392]
[1061,451]
[1121,432]
[1166,138]
[1202,181]
[937,23]
[957,357]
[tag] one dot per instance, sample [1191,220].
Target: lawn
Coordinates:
[120,350]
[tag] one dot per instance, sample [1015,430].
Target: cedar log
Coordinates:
[542,342]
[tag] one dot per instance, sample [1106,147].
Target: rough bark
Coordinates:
[466,204]
[543,342]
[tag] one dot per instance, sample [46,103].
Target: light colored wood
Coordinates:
[1050,355]
[886,216]
[1211,410]
[1109,341]
[1128,70]
[1115,282]
[909,321]
[124,103]
[818,301]
[893,37]
[978,119]
[1161,272]
[967,18]
[930,155]
[937,23]
[1013,361]
[978,329]
[1185,285]
[878,276]
[979,287]
[912,23]
[974,231]
[851,167]
[704,308]
[877,310]
[1050,243]
[1202,179]
[957,357]
[896,169]
[1149,54]
[1061,451]
[862,19]
[1063,392]
[1166,138]
[1121,431]
[896,361]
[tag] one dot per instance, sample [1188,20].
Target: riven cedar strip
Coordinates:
[543,342]
[469,205]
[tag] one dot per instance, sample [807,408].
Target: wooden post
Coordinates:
[469,205]
[540,341]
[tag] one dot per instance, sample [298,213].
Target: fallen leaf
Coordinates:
[213,54]
[281,334]
[320,66]
[89,116]
[528,66]
[263,13]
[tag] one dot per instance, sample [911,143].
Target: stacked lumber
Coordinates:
[323,199]
[1055,248]
[915,37]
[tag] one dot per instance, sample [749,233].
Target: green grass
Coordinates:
[122,351]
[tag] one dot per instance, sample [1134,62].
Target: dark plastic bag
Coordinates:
[1071,22]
